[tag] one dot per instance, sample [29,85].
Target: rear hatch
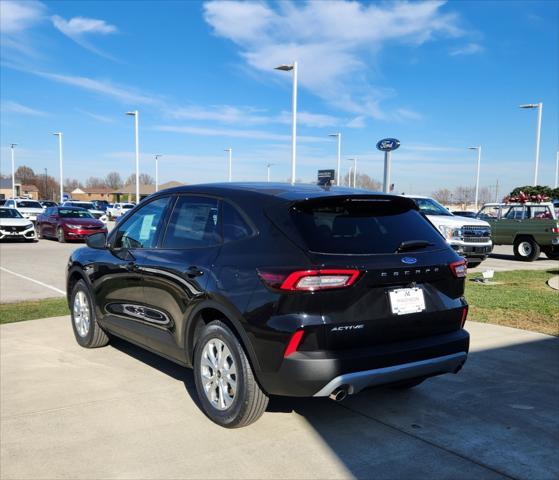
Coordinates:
[405,289]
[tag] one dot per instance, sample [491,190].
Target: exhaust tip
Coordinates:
[339,394]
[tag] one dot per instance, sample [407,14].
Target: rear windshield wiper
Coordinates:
[408,245]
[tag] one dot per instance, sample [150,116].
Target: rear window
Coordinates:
[367,226]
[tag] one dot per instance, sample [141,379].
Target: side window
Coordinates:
[489,212]
[514,213]
[540,212]
[193,223]
[234,225]
[49,212]
[141,230]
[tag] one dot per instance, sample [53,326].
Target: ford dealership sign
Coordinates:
[388,144]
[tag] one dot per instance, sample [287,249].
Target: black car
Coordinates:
[273,289]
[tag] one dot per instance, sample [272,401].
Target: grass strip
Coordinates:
[31,310]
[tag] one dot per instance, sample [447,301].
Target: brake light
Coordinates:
[555,229]
[459,269]
[310,280]
[464,316]
[293,344]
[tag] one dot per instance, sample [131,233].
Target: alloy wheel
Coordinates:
[219,374]
[82,313]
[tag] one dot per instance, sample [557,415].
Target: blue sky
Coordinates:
[438,76]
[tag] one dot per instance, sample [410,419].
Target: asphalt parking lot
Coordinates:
[120,412]
[30,271]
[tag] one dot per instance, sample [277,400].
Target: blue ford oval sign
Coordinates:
[409,260]
[388,144]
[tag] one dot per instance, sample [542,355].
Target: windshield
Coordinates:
[361,227]
[428,206]
[9,213]
[74,213]
[26,204]
[87,205]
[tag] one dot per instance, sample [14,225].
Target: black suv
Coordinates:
[273,289]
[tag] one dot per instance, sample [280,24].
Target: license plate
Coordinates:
[407,300]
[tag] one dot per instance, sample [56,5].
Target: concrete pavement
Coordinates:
[120,412]
[502,259]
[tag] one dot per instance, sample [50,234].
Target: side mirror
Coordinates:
[97,241]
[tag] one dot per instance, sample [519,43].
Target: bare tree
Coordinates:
[113,180]
[442,195]
[94,182]
[463,195]
[363,181]
[145,179]
[71,184]
[484,195]
[25,175]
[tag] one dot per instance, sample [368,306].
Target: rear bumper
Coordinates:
[318,373]
[357,381]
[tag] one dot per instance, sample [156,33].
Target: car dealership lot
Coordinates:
[45,262]
[120,412]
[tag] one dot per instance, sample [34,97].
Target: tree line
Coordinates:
[49,186]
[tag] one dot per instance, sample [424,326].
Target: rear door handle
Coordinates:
[194,271]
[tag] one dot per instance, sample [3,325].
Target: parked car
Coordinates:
[464,213]
[101,205]
[118,209]
[14,227]
[48,203]
[470,237]
[531,228]
[29,209]
[99,214]
[68,223]
[273,289]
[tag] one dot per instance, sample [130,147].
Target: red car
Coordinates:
[68,223]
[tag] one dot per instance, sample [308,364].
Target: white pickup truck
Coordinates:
[116,210]
[470,237]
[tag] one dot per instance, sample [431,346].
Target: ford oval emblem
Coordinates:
[388,144]
[409,260]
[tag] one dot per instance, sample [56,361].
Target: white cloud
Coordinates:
[15,107]
[334,42]
[469,49]
[78,28]
[246,115]
[96,116]
[16,20]
[16,17]
[234,133]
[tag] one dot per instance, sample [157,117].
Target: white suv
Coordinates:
[29,209]
[470,237]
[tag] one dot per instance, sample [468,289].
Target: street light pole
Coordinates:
[136,116]
[60,161]
[268,171]
[13,170]
[354,160]
[287,68]
[157,171]
[230,152]
[478,148]
[338,168]
[539,106]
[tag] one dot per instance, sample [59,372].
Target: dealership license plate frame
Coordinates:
[404,301]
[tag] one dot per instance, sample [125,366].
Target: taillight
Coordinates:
[555,229]
[464,316]
[293,344]
[459,269]
[310,280]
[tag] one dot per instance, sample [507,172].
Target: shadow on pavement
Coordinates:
[498,418]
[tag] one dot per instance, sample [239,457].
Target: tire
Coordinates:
[526,249]
[550,253]
[248,402]
[87,331]
[60,235]
[39,232]
[406,384]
